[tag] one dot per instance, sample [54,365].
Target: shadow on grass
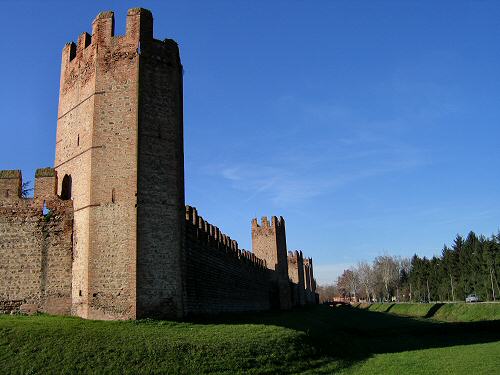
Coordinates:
[433,310]
[390,307]
[349,335]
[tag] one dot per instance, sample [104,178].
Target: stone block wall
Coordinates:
[35,246]
[160,194]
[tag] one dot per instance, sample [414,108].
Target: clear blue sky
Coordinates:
[372,126]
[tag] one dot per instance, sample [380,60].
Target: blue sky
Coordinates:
[371,126]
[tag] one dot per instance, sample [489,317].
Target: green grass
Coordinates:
[462,359]
[414,309]
[451,312]
[315,340]
[461,312]
[48,344]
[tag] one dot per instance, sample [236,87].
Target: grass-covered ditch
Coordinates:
[312,340]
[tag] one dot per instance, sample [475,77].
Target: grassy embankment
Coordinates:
[450,312]
[312,340]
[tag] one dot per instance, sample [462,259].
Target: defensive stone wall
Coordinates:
[35,246]
[220,277]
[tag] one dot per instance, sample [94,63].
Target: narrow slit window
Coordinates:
[113,195]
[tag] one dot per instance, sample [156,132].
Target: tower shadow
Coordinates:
[352,335]
[432,311]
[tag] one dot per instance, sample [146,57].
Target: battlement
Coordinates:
[211,235]
[269,242]
[274,223]
[295,256]
[10,185]
[139,26]
[11,182]
[138,29]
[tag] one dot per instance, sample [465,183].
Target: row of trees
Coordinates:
[470,265]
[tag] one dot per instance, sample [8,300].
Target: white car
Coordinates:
[472,298]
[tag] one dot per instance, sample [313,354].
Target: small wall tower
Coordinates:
[309,281]
[296,274]
[269,244]
[119,157]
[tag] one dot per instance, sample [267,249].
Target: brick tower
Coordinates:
[269,244]
[119,156]
[296,275]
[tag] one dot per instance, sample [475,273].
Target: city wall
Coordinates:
[37,254]
[220,277]
[35,246]
[112,238]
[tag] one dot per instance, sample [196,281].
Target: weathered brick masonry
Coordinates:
[119,242]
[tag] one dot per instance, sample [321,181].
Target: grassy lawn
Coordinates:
[314,340]
[461,359]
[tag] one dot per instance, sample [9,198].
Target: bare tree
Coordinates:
[354,283]
[387,268]
[327,292]
[348,284]
[365,277]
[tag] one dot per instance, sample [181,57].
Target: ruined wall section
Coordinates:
[35,248]
[220,277]
[161,206]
